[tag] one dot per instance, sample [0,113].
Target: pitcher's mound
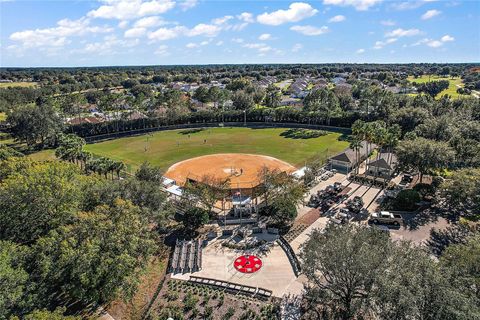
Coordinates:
[241,169]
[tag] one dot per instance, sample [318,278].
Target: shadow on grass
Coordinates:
[191,131]
[345,137]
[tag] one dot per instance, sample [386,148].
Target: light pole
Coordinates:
[245,117]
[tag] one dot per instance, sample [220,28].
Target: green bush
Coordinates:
[229,314]
[248,315]
[171,295]
[406,200]
[425,189]
[208,312]
[296,133]
[190,301]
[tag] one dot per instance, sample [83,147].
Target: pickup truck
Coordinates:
[385,217]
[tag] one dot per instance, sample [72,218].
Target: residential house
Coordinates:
[80,120]
[291,102]
[338,80]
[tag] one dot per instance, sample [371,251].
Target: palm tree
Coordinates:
[356,144]
[378,136]
[391,140]
[117,167]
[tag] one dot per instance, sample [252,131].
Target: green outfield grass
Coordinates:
[43,155]
[455,83]
[17,84]
[165,148]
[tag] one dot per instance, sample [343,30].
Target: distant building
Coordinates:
[291,102]
[339,80]
[80,120]
[266,81]
[298,89]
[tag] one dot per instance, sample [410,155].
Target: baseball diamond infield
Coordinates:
[241,169]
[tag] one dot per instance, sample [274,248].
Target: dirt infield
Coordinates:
[242,169]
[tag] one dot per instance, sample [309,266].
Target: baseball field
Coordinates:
[165,148]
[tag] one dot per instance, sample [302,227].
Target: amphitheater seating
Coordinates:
[187,257]
[292,257]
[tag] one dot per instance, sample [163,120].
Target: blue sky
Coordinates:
[153,32]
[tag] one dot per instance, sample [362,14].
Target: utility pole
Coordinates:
[245,117]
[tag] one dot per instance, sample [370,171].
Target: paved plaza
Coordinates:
[276,273]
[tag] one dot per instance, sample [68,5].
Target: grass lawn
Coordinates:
[165,148]
[43,155]
[17,84]
[455,83]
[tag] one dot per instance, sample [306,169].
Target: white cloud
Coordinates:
[381,44]
[192,45]
[202,29]
[131,9]
[222,20]
[123,24]
[237,40]
[149,22]
[219,43]
[297,47]
[188,4]
[338,18]
[408,5]
[246,17]
[260,47]
[388,23]
[162,50]
[360,5]
[135,32]
[108,46]
[360,51]
[57,36]
[430,14]
[310,30]
[265,36]
[447,38]
[296,11]
[167,33]
[403,33]
[434,43]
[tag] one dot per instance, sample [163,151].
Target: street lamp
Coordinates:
[245,117]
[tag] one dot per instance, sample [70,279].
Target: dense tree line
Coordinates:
[357,272]
[72,240]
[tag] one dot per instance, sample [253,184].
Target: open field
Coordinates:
[17,84]
[455,83]
[165,148]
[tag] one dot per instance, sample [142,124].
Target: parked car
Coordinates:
[407,178]
[355,204]
[385,217]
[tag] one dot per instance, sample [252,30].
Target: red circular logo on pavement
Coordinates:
[247,264]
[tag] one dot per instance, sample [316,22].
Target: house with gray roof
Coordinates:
[383,166]
[347,160]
